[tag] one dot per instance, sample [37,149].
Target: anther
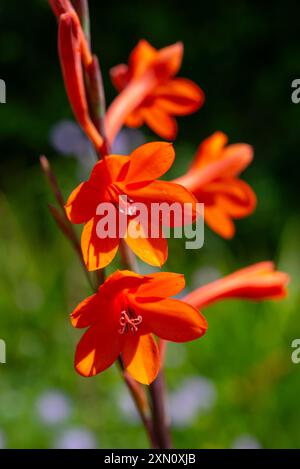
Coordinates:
[129,323]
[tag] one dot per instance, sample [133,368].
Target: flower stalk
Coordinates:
[97,101]
[159,408]
[157,390]
[82,9]
[90,110]
[137,308]
[135,389]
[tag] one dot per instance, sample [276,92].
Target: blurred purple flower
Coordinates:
[246,442]
[127,140]
[195,395]
[53,407]
[145,269]
[182,294]
[67,138]
[127,408]
[76,438]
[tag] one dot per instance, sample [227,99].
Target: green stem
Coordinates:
[60,216]
[157,388]
[156,428]
[139,397]
[97,102]
[160,417]
[82,9]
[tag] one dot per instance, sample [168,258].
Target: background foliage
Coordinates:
[245,56]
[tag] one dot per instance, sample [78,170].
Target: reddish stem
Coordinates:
[159,410]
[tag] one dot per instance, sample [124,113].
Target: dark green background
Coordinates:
[244,55]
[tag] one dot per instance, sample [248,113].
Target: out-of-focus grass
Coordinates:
[246,352]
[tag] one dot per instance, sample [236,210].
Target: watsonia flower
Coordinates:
[257,282]
[135,177]
[150,93]
[214,179]
[123,316]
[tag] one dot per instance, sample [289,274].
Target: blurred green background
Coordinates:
[237,386]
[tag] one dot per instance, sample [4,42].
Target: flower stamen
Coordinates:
[129,323]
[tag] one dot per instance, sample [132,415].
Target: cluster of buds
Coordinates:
[130,317]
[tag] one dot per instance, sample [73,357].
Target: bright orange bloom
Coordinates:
[149,92]
[122,316]
[258,282]
[133,176]
[214,180]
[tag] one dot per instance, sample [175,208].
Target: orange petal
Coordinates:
[210,149]
[160,122]
[82,203]
[87,312]
[128,102]
[97,252]
[116,167]
[161,192]
[234,196]
[98,348]
[257,282]
[135,119]
[241,155]
[119,281]
[161,284]
[153,251]
[169,60]
[141,58]
[179,97]
[223,168]
[171,319]
[103,303]
[119,76]
[141,358]
[150,161]
[219,221]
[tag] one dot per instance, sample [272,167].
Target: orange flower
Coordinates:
[214,180]
[133,176]
[258,282]
[150,94]
[121,318]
